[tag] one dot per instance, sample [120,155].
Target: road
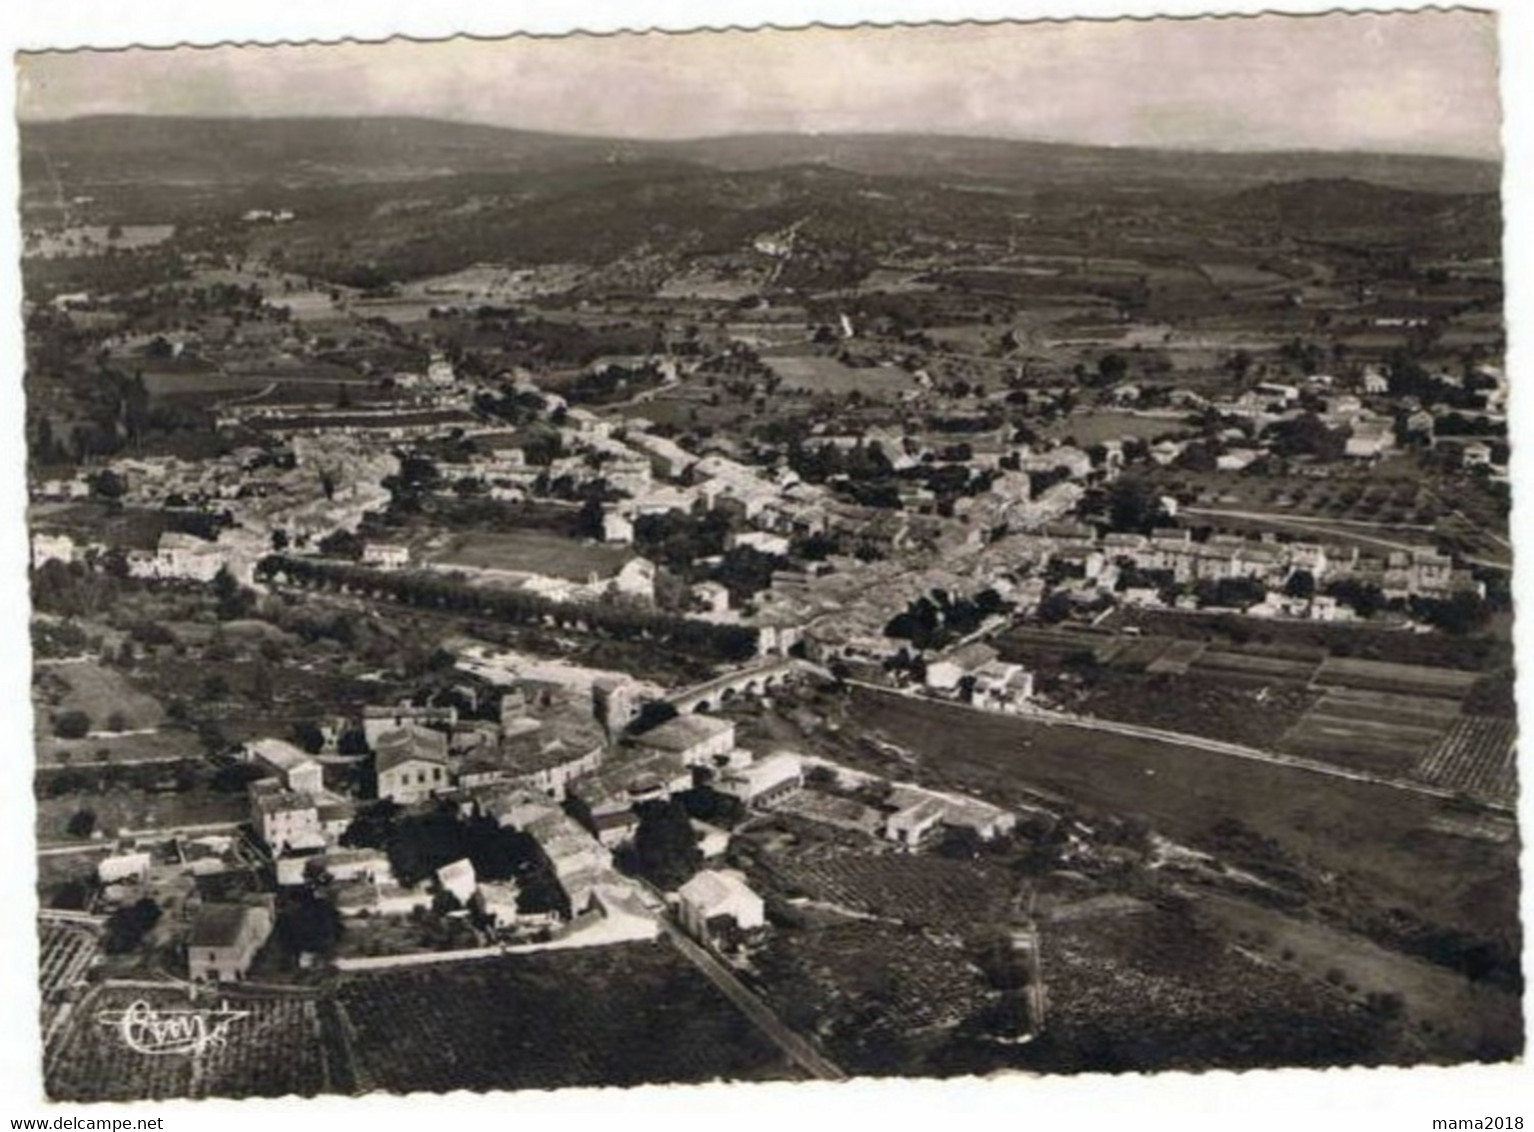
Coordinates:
[796,1048]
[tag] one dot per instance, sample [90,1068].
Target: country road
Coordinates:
[799,1050]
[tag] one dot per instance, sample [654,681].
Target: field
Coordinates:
[283,1045]
[815,374]
[1255,665]
[1373,731]
[1380,836]
[1093,426]
[1479,756]
[626,1015]
[869,991]
[1385,676]
[920,891]
[64,952]
[532,552]
[102,693]
[1152,990]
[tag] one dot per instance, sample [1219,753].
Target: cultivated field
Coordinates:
[282,1045]
[1385,676]
[1478,755]
[921,891]
[1377,835]
[869,992]
[626,1015]
[1375,731]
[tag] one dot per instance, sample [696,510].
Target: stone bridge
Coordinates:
[753,680]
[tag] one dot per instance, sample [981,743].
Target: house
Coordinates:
[714,597]
[636,579]
[693,740]
[52,548]
[761,541]
[1000,686]
[287,820]
[913,824]
[616,827]
[1374,382]
[715,898]
[379,721]
[1421,423]
[225,938]
[616,526]
[335,818]
[765,781]
[298,770]
[1476,455]
[1370,439]
[386,555]
[946,673]
[411,763]
[458,879]
[541,758]
[120,867]
[186,556]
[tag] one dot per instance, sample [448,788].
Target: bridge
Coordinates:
[752,680]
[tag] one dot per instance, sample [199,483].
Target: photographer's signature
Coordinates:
[145,1029]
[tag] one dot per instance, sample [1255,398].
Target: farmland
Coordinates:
[279,1045]
[1479,756]
[1153,990]
[1376,731]
[1379,838]
[919,891]
[872,1017]
[814,374]
[624,1015]
[1386,676]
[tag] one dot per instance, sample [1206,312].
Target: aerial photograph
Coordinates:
[916,551]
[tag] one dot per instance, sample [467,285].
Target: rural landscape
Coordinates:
[759,605]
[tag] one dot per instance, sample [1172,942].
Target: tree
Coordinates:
[233,601]
[1300,584]
[117,721]
[665,852]
[1111,369]
[82,823]
[127,927]
[1133,506]
[72,724]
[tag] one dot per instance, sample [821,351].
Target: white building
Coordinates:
[714,896]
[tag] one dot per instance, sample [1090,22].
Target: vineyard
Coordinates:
[921,891]
[64,953]
[1478,756]
[864,989]
[625,1015]
[1153,990]
[277,1046]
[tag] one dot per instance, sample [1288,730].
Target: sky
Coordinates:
[1422,82]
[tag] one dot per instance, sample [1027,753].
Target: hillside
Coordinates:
[106,150]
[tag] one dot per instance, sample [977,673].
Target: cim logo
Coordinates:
[147,1030]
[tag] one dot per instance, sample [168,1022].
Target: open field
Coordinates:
[102,693]
[1231,662]
[1093,426]
[530,551]
[1379,836]
[815,374]
[1478,755]
[279,1045]
[625,1015]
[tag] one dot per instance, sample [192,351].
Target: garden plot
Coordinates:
[1229,662]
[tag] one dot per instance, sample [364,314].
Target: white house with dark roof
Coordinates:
[411,764]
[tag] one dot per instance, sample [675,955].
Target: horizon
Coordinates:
[1420,83]
[513,128]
